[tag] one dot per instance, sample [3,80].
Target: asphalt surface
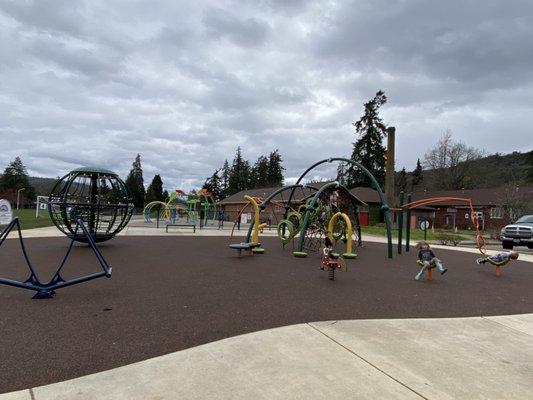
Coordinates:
[171,293]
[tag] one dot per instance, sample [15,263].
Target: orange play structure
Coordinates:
[480,242]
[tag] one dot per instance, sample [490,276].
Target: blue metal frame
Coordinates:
[47,290]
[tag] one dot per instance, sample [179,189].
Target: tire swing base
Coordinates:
[299,254]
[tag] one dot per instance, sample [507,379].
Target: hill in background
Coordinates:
[495,170]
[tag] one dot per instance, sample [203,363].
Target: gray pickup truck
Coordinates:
[520,233]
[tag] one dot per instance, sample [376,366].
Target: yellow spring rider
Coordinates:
[252,238]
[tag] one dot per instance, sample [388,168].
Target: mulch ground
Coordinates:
[172,293]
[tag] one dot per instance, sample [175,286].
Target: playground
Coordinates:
[169,294]
[169,291]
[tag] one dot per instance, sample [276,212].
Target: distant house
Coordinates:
[491,206]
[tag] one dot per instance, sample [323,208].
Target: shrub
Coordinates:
[446,238]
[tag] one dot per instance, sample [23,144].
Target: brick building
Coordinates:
[494,207]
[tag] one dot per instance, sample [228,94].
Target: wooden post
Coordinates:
[430,274]
[400,224]
[389,167]
[408,226]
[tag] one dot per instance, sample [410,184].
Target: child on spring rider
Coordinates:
[427,260]
[499,259]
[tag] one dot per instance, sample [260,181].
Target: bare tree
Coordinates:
[451,162]
[515,200]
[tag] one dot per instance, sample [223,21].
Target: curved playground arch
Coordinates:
[384,206]
[164,210]
[480,242]
[285,224]
[348,230]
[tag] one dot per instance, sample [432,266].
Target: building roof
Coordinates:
[300,194]
[366,194]
[238,198]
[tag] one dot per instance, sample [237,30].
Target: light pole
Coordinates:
[18,196]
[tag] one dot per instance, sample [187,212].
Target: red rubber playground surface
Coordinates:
[171,293]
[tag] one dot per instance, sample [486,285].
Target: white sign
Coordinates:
[424,225]
[6,214]
[244,218]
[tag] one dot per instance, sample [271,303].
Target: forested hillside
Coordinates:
[495,170]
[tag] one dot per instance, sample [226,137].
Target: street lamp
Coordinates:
[18,196]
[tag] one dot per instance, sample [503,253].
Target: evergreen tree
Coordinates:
[135,183]
[401,181]
[226,171]
[214,185]
[275,169]
[369,150]
[165,195]
[260,176]
[155,190]
[15,177]
[341,174]
[529,169]
[417,174]
[239,178]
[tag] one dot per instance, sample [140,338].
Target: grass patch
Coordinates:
[416,234]
[28,220]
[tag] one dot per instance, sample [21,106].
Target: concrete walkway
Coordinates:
[460,358]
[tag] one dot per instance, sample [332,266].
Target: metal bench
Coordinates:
[183,226]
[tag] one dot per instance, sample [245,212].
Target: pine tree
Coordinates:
[226,171]
[239,178]
[15,177]
[165,195]
[260,173]
[529,170]
[417,174]
[341,174]
[135,183]
[155,190]
[401,181]
[275,169]
[369,150]
[214,185]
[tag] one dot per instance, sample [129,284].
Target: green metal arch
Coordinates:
[384,205]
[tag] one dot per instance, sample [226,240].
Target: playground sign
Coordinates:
[6,214]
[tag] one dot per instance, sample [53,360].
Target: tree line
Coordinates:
[267,171]
[225,181]
[449,165]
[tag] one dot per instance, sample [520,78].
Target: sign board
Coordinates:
[6,213]
[244,218]
[424,225]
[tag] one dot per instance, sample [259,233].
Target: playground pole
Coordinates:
[408,226]
[400,224]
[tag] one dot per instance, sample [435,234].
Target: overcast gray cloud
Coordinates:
[184,83]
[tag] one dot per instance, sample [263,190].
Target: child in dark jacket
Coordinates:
[427,260]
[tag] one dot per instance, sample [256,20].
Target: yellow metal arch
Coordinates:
[349,232]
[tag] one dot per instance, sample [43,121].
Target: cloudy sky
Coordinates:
[184,83]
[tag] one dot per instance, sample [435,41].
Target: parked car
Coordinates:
[520,233]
